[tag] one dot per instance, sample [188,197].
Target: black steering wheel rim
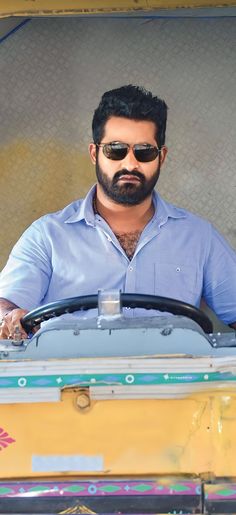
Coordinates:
[131,300]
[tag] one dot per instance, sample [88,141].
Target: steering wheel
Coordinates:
[131,300]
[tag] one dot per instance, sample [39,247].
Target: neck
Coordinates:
[123,218]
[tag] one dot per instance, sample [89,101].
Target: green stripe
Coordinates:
[144,379]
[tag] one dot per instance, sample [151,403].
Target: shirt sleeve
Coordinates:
[219,286]
[26,276]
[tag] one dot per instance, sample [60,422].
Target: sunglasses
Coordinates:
[144,153]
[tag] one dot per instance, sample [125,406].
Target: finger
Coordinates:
[17,333]
[12,332]
[4,331]
[15,329]
[10,325]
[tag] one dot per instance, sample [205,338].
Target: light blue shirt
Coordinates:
[74,252]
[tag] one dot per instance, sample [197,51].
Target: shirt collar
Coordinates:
[84,209]
[163,210]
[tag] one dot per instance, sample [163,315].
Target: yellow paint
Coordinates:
[63,7]
[36,178]
[195,435]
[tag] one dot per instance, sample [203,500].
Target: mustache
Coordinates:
[123,172]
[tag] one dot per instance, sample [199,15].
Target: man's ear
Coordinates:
[93,152]
[163,154]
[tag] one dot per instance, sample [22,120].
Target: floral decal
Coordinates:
[5,439]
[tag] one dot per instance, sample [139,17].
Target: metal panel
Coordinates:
[52,74]
[220,497]
[63,7]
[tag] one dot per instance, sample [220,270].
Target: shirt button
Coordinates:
[130,268]
[178,269]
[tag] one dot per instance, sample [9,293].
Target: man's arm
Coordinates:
[10,316]
[219,283]
[6,306]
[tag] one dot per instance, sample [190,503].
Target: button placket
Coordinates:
[146,237]
[110,237]
[130,281]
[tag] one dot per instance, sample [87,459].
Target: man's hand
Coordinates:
[11,327]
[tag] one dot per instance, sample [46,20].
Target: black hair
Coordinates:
[133,102]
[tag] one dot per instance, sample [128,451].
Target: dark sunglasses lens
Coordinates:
[146,154]
[116,152]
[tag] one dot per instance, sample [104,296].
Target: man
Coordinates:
[122,235]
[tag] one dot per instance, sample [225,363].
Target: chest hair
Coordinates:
[129,241]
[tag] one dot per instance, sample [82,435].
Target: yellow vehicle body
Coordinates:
[134,432]
[134,437]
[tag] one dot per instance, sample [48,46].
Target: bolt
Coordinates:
[166,331]
[83,401]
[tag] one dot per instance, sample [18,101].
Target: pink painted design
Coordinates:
[5,439]
[98,488]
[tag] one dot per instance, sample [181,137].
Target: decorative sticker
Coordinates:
[70,463]
[5,439]
[100,488]
[47,381]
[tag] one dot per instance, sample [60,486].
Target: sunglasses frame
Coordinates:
[127,146]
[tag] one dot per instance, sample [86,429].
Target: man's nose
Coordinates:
[130,162]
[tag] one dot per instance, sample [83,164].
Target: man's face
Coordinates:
[127,181]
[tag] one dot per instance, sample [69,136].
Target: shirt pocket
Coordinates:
[177,281]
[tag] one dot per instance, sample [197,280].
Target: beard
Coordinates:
[128,193]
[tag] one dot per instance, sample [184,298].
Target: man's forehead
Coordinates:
[121,126]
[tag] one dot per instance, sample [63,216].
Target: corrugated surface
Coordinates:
[52,74]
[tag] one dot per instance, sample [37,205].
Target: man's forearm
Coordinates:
[6,306]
